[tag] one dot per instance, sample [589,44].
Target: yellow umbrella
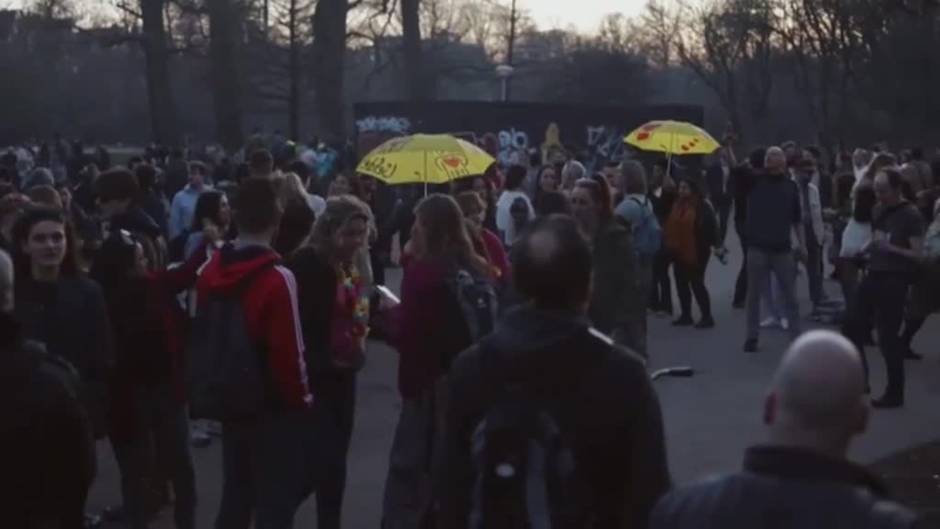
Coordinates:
[424,159]
[674,138]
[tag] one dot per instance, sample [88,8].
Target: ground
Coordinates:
[709,419]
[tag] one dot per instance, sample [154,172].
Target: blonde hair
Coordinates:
[290,187]
[339,211]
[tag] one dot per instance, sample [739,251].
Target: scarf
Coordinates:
[681,231]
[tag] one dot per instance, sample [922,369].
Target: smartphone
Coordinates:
[388,294]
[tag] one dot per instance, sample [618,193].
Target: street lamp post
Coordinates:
[504,72]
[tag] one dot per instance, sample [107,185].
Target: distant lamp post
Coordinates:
[504,72]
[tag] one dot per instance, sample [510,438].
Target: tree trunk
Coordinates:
[224,44]
[329,49]
[293,101]
[163,124]
[510,47]
[411,38]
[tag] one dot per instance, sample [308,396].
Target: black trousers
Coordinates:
[690,279]
[880,299]
[336,397]
[740,285]
[158,453]
[661,290]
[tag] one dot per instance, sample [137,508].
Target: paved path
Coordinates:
[709,419]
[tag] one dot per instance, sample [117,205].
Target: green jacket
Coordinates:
[615,298]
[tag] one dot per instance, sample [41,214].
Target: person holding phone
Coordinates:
[894,253]
[335,328]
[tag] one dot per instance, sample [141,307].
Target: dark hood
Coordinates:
[525,329]
[236,263]
[10,334]
[135,220]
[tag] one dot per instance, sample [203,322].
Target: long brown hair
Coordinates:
[446,232]
[599,189]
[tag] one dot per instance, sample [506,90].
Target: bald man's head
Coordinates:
[6,282]
[551,264]
[818,392]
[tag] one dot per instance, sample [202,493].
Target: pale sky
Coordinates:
[584,15]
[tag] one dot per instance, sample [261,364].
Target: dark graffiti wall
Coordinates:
[512,131]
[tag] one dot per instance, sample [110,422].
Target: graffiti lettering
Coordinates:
[393,124]
[605,144]
[513,147]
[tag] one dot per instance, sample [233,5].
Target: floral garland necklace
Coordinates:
[350,319]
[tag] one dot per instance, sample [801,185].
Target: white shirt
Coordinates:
[855,236]
[317,204]
[504,217]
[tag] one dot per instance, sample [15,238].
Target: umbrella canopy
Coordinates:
[425,159]
[674,138]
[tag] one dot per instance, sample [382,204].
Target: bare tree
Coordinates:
[225,78]
[721,43]
[329,49]
[53,9]
[411,44]
[283,60]
[147,27]
[162,104]
[825,40]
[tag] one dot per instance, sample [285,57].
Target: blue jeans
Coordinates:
[761,264]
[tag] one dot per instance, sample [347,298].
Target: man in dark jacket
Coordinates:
[118,194]
[801,479]
[47,451]
[774,218]
[742,180]
[598,393]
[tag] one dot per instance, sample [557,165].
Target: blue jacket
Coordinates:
[182,210]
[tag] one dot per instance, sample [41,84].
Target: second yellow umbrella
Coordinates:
[424,159]
[674,138]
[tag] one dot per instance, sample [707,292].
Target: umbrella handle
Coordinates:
[672,142]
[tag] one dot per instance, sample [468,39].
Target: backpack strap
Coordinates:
[641,204]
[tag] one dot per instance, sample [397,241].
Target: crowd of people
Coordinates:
[245,293]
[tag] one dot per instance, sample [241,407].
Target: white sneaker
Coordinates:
[785,324]
[769,322]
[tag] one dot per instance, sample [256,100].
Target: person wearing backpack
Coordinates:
[47,447]
[247,311]
[548,422]
[434,322]
[637,210]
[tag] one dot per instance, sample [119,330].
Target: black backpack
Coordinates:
[526,474]
[477,300]
[226,375]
